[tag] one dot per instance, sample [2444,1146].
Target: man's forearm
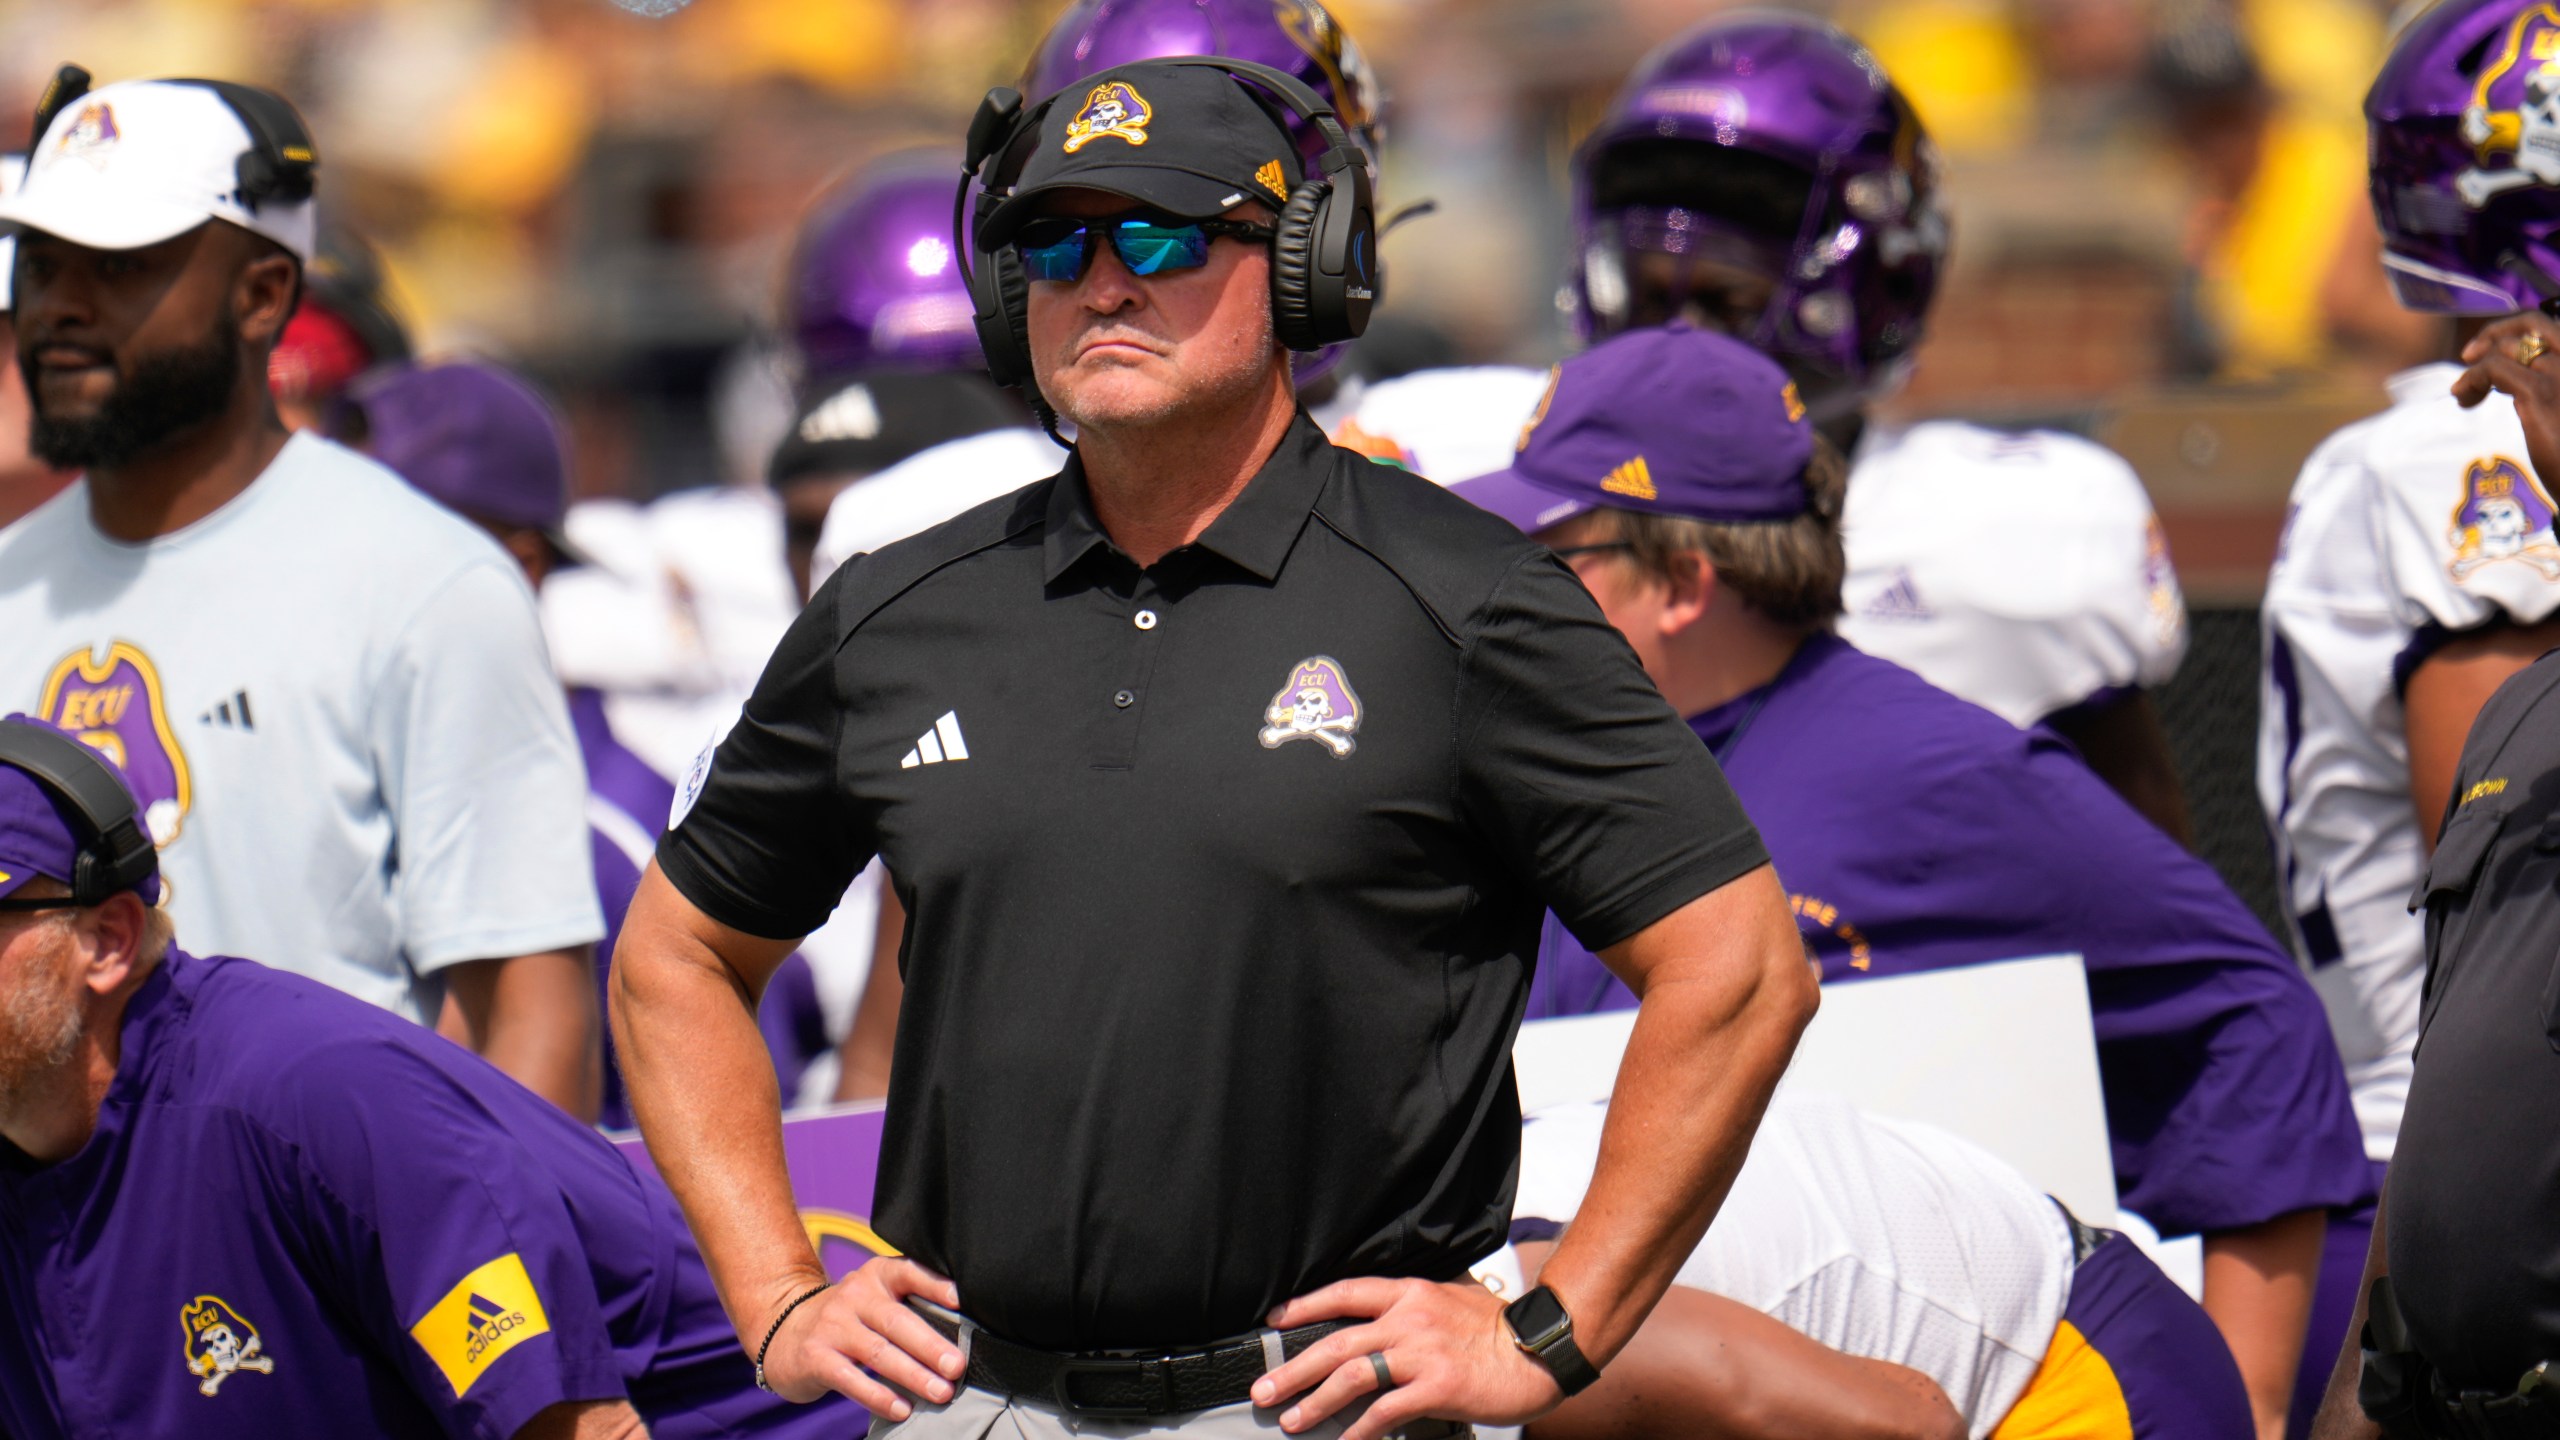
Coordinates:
[1724,992]
[2257,1287]
[703,1091]
[534,1017]
[2342,1414]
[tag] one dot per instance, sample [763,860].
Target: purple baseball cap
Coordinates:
[40,835]
[475,438]
[1672,421]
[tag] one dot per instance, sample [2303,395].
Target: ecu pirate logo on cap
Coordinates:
[92,133]
[1113,110]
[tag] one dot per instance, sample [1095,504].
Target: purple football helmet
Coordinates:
[1773,144]
[2464,127]
[1296,37]
[873,282]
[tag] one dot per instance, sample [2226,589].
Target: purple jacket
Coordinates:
[302,1215]
[1915,831]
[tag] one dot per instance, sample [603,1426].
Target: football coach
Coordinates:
[1224,775]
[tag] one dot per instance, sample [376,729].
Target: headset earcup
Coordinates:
[1296,305]
[997,295]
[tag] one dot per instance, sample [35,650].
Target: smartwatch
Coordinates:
[1540,1326]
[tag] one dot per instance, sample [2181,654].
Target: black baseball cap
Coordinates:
[1188,140]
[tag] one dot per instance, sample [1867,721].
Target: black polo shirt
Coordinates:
[1223,878]
[2474,1207]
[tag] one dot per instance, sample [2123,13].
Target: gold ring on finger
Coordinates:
[2530,348]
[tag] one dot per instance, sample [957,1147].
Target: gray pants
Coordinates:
[983,1415]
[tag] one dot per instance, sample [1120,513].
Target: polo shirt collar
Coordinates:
[1256,531]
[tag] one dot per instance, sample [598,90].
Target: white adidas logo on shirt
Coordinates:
[938,744]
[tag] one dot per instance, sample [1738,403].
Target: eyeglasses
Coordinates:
[63,903]
[1061,248]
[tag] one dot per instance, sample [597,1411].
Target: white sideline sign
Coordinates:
[2002,1054]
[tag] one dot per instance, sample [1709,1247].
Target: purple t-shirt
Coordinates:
[302,1215]
[1915,831]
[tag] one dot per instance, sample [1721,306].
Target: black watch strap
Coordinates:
[1540,1326]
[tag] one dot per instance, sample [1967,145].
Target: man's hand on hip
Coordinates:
[1449,1356]
[863,1323]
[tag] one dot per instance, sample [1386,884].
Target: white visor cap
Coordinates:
[13,168]
[142,161]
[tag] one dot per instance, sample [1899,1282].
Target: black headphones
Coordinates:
[280,164]
[1324,258]
[116,854]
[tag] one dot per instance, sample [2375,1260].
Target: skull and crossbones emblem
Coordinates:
[1316,704]
[1115,109]
[2529,133]
[220,1344]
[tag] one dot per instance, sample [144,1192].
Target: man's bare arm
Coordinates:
[2258,1283]
[534,1016]
[1707,1367]
[1710,1368]
[2341,1414]
[585,1420]
[2445,695]
[863,1058]
[685,988]
[1725,990]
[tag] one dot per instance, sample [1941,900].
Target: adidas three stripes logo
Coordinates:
[938,744]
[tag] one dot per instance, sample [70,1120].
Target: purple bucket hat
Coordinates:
[1857,265]
[2463,131]
[1674,421]
[42,837]
[473,437]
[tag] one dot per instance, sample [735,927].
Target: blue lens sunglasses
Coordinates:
[1060,248]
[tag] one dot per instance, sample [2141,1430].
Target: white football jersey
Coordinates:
[2405,526]
[2024,572]
[686,599]
[332,697]
[1878,1238]
[928,488]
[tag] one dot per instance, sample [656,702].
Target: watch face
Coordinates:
[1537,1318]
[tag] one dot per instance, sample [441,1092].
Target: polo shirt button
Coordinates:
[1145,619]
[1124,698]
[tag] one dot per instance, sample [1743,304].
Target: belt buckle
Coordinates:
[1160,1367]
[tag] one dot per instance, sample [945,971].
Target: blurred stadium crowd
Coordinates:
[2147,193]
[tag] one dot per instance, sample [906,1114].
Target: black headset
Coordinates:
[1324,267]
[116,854]
[280,164]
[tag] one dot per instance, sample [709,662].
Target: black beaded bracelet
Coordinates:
[767,1347]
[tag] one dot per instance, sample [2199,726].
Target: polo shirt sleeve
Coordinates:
[1577,772]
[443,1238]
[763,839]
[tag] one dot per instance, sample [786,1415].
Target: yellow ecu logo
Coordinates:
[489,1312]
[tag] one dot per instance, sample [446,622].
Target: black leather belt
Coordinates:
[1124,1384]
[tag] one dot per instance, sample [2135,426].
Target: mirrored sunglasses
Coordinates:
[1060,248]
